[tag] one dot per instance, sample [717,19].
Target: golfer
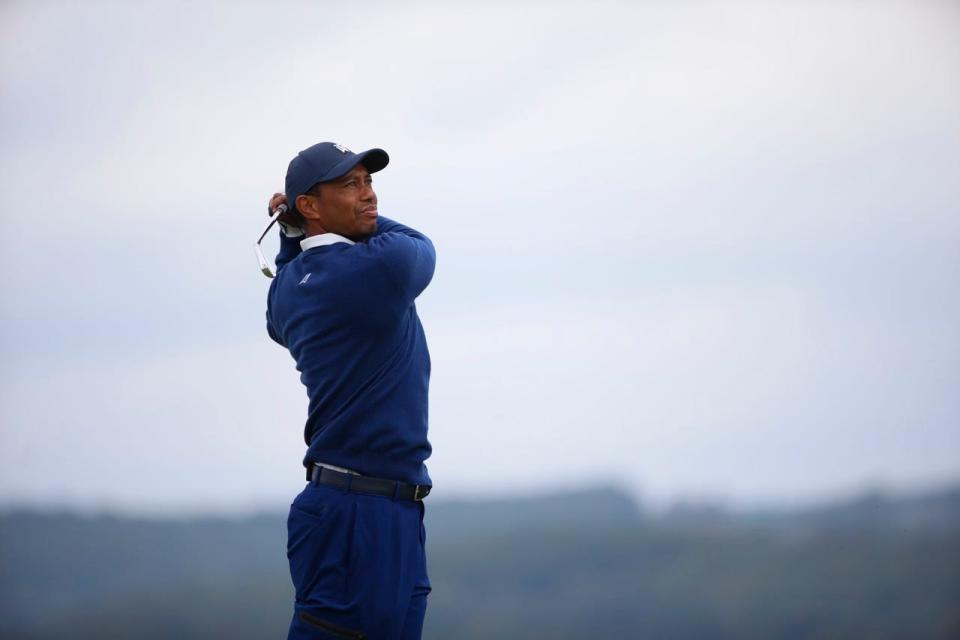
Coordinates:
[342,303]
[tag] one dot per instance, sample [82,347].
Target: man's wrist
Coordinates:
[289,230]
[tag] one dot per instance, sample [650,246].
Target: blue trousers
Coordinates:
[358,565]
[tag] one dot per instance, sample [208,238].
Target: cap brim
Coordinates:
[373,159]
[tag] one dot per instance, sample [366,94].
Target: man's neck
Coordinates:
[313,228]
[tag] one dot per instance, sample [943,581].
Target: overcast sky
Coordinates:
[695,249]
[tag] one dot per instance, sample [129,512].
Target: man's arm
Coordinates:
[408,255]
[289,246]
[290,236]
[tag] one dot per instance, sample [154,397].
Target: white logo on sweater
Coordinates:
[305,278]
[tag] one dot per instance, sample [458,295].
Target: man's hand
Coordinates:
[277,200]
[288,221]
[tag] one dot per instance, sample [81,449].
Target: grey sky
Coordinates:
[698,248]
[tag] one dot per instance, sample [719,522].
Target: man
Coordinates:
[343,304]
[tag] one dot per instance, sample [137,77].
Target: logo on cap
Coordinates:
[342,148]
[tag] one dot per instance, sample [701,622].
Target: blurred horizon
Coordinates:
[653,505]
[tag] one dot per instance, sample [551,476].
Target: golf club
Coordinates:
[265,267]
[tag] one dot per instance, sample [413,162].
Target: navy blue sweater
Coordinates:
[346,313]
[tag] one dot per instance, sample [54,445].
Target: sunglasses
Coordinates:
[265,267]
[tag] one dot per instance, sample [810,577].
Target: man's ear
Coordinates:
[308,206]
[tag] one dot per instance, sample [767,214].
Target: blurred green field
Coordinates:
[584,565]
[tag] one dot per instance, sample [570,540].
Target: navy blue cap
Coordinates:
[327,161]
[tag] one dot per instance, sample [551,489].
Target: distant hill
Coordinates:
[569,565]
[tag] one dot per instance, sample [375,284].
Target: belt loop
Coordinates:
[396,490]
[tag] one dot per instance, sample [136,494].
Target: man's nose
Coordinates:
[368,193]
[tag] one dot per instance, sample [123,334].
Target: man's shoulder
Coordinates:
[340,257]
[335,267]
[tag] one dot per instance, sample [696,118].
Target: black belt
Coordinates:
[366,484]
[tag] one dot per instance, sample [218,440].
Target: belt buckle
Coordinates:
[416,493]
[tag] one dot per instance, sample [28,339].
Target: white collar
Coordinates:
[322,239]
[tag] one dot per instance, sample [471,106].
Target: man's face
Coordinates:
[348,205]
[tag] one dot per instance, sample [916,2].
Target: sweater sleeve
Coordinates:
[407,255]
[271,331]
[289,249]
